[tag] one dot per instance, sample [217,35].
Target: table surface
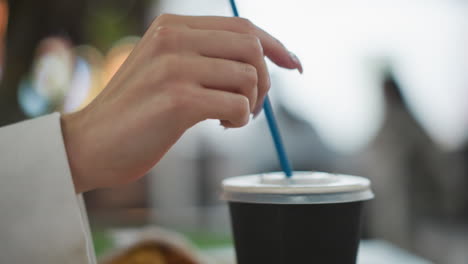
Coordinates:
[370,252]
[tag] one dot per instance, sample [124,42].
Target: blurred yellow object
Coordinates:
[104,68]
[117,56]
[152,252]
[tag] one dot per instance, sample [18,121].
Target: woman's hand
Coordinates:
[183,71]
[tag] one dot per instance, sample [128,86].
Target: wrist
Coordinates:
[71,129]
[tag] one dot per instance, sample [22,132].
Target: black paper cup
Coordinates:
[310,218]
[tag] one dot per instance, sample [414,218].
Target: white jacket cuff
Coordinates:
[42,220]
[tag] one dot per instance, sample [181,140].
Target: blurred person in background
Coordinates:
[183,71]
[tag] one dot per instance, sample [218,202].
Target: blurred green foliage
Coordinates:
[202,240]
[102,242]
[108,27]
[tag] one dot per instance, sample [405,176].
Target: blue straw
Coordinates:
[234,8]
[275,133]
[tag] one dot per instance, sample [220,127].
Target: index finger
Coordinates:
[272,48]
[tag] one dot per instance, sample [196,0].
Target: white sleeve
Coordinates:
[42,220]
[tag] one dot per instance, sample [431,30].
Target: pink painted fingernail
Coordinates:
[222,125]
[257,110]
[256,113]
[296,61]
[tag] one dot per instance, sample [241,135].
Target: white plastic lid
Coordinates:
[302,188]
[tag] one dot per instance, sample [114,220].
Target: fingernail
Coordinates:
[223,126]
[257,114]
[296,61]
[257,110]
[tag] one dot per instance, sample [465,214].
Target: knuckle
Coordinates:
[165,31]
[264,90]
[254,46]
[166,37]
[251,75]
[245,23]
[264,86]
[163,19]
[180,97]
[170,64]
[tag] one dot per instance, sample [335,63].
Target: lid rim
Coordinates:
[268,183]
[323,198]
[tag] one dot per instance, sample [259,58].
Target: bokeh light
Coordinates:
[3,27]
[66,78]
[31,102]
[80,86]
[3,17]
[53,68]
[117,56]
[43,90]
[89,89]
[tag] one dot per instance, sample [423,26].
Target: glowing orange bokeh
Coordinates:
[3,17]
[3,27]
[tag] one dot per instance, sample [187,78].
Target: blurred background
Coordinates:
[384,95]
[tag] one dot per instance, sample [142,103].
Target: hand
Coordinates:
[183,71]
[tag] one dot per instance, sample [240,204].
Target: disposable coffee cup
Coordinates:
[311,217]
